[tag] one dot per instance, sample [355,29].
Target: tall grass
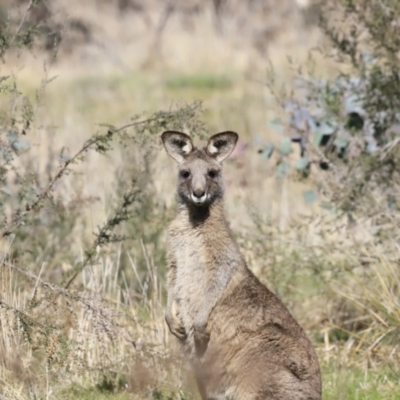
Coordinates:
[82,251]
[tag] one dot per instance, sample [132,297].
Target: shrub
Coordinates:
[68,314]
[348,127]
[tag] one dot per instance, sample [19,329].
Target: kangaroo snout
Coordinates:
[199,197]
[199,191]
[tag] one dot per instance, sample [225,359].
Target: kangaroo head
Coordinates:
[200,181]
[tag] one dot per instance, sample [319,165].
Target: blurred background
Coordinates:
[86,189]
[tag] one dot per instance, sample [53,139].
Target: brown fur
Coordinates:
[242,341]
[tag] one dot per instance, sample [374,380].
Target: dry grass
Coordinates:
[105,336]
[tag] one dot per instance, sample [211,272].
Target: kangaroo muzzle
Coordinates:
[199,190]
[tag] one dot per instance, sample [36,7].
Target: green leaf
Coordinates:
[302,163]
[372,148]
[310,197]
[327,127]
[12,136]
[341,142]
[6,190]
[283,169]
[326,205]
[285,147]
[317,138]
[21,146]
[276,124]
[352,103]
[268,150]
[18,144]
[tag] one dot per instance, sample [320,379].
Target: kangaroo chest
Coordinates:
[192,276]
[203,259]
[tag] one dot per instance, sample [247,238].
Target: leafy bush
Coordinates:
[348,127]
[65,296]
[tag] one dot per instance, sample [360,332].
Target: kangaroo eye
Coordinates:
[212,174]
[185,174]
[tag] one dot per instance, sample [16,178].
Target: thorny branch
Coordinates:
[104,234]
[20,25]
[54,288]
[87,301]
[46,192]
[27,11]
[29,208]
[136,123]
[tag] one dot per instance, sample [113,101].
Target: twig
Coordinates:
[27,11]
[35,205]
[31,207]
[145,121]
[135,124]
[36,278]
[76,273]
[20,314]
[389,147]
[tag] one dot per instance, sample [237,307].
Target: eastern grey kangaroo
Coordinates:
[242,341]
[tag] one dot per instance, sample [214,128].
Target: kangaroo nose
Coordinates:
[199,193]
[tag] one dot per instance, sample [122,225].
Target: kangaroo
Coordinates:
[242,342]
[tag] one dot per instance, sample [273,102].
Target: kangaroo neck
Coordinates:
[208,231]
[203,216]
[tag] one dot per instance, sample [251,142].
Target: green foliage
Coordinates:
[18,32]
[42,227]
[354,384]
[91,393]
[348,127]
[39,230]
[285,147]
[203,81]
[310,196]
[81,306]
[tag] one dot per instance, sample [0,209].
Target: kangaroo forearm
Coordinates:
[211,299]
[172,318]
[212,296]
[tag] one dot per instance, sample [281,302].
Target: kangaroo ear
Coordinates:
[221,145]
[178,144]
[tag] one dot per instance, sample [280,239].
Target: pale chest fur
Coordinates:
[191,280]
[203,257]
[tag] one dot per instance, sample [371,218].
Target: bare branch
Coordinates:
[36,204]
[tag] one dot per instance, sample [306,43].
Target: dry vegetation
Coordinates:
[86,194]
